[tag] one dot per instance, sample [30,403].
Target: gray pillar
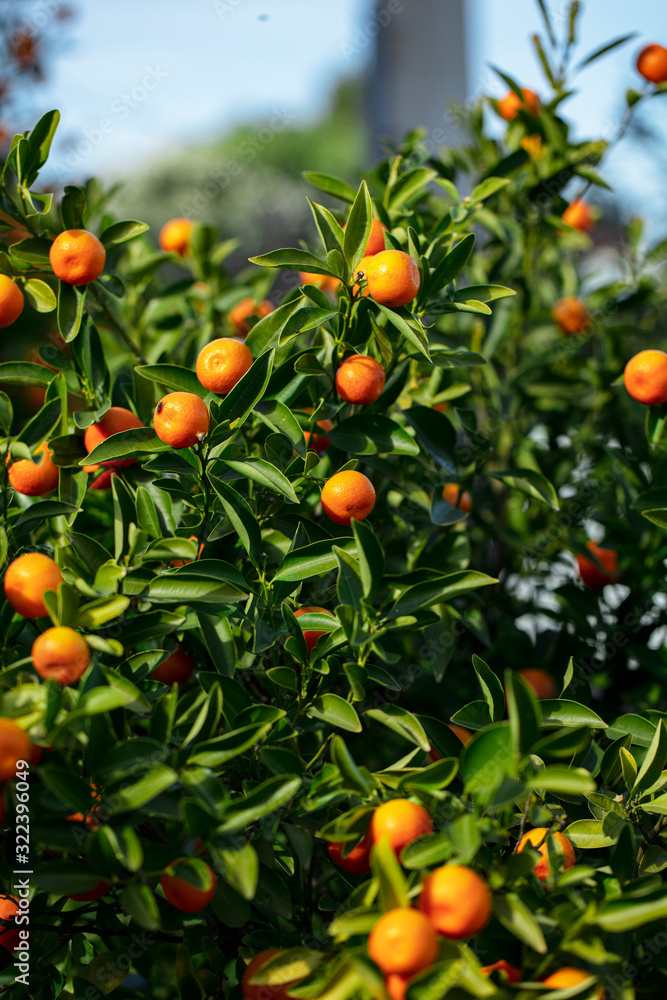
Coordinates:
[420,67]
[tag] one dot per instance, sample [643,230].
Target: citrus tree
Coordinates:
[314,684]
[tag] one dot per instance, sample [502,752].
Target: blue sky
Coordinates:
[134,84]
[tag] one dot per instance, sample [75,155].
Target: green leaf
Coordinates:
[135,443]
[451,265]
[392,886]
[605,48]
[492,689]
[143,791]
[487,188]
[515,917]
[406,324]
[532,483]
[524,712]
[331,185]
[316,559]
[358,227]
[40,295]
[70,309]
[439,590]
[370,434]
[266,798]
[487,760]
[40,140]
[293,260]
[370,557]
[343,760]
[42,424]
[241,515]
[121,232]
[25,373]
[265,474]
[641,730]
[587,834]
[247,392]
[335,711]
[654,761]
[562,780]
[33,251]
[435,433]
[174,377]
[138,900]
[330,230]
[561,712]
[409,184]
[621,916]
[402,722]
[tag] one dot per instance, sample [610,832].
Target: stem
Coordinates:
[117,325]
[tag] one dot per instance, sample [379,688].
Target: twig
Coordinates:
[125,336]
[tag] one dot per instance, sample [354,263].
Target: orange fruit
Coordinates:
[441,407]
[579,215]
[103,481]
[561,844]
[77,257]
[396,986]
[510,105]
[311,637]
[26,580]
[176,669]
[175,236]
[361,274]
[451,492]
[11,301]
[358,860]
[571,315]
[60,654]
[400,821]
[645,377]
[512,974]
[9,932]
[100,890]
[360,380]
[318,442]
[34,479]
[348,496]
[117,418]
[463,734]
[375,242]
[591,576]
[403,942]
[184,896]
[222,363]
[393,278]
[244,310]
[533,146]
[541,682]
[562,979]
[652,63]
[15,745]
[181,419]
[325,282]
[456,900]
[262,991]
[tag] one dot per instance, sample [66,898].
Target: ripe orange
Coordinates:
[101,889]
[263,991]
[26,580]
[393,278]
[591,576]
[361,274]
[15,745]
[117,418]
[11,301]
[451,492]
[60,654]
[325,282]
[376,239]
[311,637]
[184,896]
[652,63]
[360,380]
[645,377]
[181,419]
[579,215]
[34,479]
[541,682]
[175,236]
[564,978]
[77,257]
[561,845]
[348,496]
[456,900]
[244,310]
[9,932]
[533,146]
[318,442]
[571,315]
[400,821]
[358,860]
[510,105]
[176,669]
[103,481]
[511,972]
[396,986]
[403,942]
[222,363]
